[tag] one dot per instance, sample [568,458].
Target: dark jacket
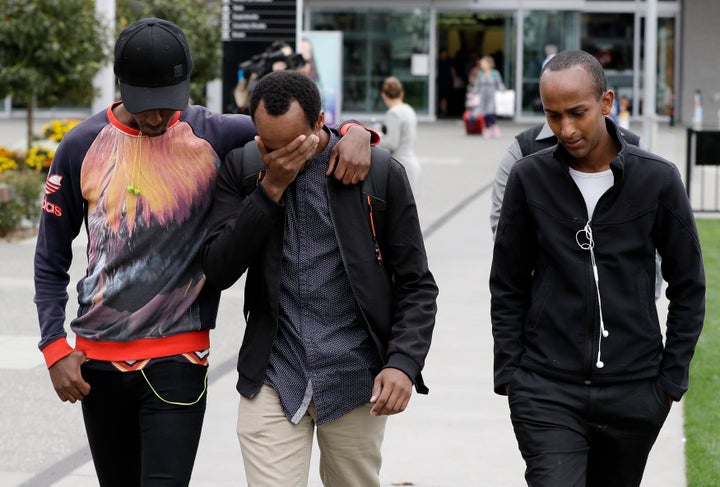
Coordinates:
[545,310]
[396,299]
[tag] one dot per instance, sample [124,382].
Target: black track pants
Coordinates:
[580,435]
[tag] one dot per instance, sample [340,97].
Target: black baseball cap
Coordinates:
[153,65]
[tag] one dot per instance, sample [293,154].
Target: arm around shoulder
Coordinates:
[350,158]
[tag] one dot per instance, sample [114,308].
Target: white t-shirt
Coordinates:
[592,185]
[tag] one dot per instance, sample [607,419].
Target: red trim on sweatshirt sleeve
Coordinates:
[56,350]
[374,136]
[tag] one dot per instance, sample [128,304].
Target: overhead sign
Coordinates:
[248,28]
[259,20]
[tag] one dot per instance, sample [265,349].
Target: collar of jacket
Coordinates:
[617,165]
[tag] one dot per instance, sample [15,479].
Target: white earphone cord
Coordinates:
[589,245]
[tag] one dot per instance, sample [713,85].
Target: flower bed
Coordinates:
[22,177]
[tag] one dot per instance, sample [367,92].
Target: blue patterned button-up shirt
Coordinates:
[322,352]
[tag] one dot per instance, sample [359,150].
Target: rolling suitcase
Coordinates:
[474,124]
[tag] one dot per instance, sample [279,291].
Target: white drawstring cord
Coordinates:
[589,245]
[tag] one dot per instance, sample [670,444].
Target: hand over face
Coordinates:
[283,164]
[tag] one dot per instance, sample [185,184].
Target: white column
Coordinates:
[7,107]
[650,70]
[104,81]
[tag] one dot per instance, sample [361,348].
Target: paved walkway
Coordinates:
[459,435]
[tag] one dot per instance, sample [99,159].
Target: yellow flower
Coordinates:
[57,129]
[38,158]
[8,160]
[7,164]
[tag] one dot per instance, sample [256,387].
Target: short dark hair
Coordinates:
[279,88]
[572,58]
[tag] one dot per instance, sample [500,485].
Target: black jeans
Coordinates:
[577,435]
[136,438]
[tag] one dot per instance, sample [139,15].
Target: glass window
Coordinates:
[543,31]
[665,89]
[378,44]
[609,37]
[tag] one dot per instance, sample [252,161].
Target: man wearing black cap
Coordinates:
[141,176]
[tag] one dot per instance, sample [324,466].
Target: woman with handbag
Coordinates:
[487,82]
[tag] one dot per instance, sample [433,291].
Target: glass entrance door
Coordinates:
[462,39]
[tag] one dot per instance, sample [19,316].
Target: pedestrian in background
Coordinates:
[487,81]
[400,130]
[446,80]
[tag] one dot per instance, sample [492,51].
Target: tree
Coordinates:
[199,19]
[50,51]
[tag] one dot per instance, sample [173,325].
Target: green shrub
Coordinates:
[25,171]
[28,187]
[11,213]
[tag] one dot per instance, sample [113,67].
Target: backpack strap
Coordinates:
[375,184]
[374,195]
[252,169]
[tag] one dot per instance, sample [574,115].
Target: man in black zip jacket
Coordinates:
[339,301]
[528,142]
[578,344]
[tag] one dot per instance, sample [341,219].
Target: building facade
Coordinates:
[404,38]
[392,37]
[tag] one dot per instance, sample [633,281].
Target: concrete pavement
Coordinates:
[459,435]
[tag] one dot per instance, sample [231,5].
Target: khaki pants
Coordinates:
[277,453]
